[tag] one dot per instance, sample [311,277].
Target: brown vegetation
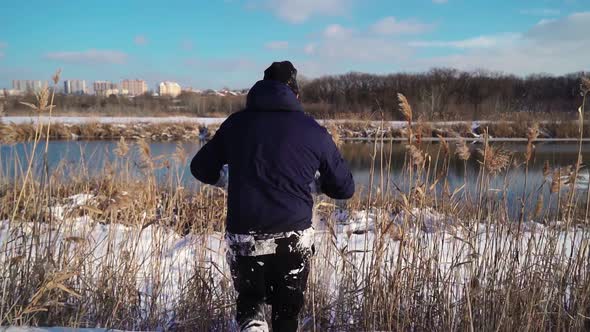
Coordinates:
[503,274]
[188,104]
[349,130]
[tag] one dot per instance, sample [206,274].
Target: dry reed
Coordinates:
[495,158]
[426,261]
[462,151]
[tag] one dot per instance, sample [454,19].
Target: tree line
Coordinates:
[439,94]
[443,94]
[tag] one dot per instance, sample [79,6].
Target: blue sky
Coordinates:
[217,43]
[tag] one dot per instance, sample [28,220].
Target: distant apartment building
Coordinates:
[75,87]
[28,85]
[167,88]
[192,90]
[134,87]
[12,92]
[105,88]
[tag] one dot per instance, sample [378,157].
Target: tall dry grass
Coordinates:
[429,259]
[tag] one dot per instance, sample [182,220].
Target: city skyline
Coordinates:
[127,87]
[78,86]
[229,43]
[130,87]
[75,87]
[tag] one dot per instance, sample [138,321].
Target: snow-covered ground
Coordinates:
[52,329]
[176,119]
[109,119]
[355,243]
[124,122]
[206,121]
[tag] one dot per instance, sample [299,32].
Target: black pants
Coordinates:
[277,279]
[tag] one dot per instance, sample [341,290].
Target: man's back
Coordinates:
[273,151]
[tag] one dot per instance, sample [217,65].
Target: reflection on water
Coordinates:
[91,157]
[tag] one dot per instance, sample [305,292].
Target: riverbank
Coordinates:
[17,129]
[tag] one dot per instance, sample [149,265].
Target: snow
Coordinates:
[363,240]
[163,257]
[250,245]
[173,119]
[363,221]
[110,120]
[256,326]
[218,120]
[59,211]
[52,329]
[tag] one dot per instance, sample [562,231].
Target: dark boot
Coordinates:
[249,281]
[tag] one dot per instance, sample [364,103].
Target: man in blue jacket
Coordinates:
[273,151]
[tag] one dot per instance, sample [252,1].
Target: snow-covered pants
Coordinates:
[278,279]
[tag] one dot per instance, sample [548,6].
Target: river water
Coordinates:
[91,158]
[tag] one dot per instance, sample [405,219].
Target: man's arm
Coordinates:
[207,164]
[335,177]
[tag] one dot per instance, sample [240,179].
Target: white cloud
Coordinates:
[300,11]
[277,45]
[309,48]
[573,27]
[541,12]
[362,49]
[140,40]
[557,46]
[337,31]
[91,56]
[391,26]
[521,60]
[375,44]
[345,44]
[475,42]
[378,46]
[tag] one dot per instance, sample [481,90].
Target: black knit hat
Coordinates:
[283,72]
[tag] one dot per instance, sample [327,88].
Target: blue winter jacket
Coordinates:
[273,150]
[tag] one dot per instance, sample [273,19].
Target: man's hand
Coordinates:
[315,186]
[210,159]
[223,177]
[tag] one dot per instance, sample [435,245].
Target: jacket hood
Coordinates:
[270,95]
